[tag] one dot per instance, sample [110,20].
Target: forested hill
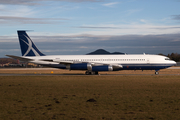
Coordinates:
[103,52]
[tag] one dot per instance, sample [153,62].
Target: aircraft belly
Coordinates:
[144,66]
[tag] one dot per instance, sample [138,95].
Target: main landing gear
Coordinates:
[91,73]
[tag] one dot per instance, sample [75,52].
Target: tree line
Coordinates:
[173,56]
[8,60]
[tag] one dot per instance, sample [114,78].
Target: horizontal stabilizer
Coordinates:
[19,58]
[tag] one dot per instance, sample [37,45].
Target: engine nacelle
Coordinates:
[79,66]
[102,68]
[89,67]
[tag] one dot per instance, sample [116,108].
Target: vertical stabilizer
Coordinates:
[28,48]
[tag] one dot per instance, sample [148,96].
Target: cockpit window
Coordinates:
[167,59]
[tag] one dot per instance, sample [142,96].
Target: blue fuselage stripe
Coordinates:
[126,66]
[144,66]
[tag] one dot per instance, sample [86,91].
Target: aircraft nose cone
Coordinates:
[174,63]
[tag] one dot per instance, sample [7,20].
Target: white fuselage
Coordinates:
[128,62]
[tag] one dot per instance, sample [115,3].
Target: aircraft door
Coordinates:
[148,61]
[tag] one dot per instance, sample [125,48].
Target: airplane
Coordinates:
[92,64]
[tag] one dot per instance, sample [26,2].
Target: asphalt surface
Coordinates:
[10,74]
[56,68]
[14,74]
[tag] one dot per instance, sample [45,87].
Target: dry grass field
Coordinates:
[146,97]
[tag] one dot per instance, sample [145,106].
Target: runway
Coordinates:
[174,68]
[10,74]
[53,68]
[172,71]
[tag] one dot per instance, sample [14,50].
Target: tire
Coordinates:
[156,73]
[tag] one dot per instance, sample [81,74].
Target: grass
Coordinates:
[110,97]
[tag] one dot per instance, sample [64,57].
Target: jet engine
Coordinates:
[92,67]
[102,68]
[79,66]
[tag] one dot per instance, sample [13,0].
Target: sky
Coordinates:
[77,27]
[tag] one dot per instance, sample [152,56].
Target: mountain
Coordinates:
[103,52]
[117,53]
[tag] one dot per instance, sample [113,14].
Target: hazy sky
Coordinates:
[82,26]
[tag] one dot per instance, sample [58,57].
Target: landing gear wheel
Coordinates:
[88,73]
[156,73]
[96,73]
[91,73]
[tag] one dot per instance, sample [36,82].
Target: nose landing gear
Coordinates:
[156,72]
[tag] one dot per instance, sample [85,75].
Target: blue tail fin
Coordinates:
[28,48]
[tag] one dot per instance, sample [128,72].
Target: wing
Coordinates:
[114,65]
[58,61]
